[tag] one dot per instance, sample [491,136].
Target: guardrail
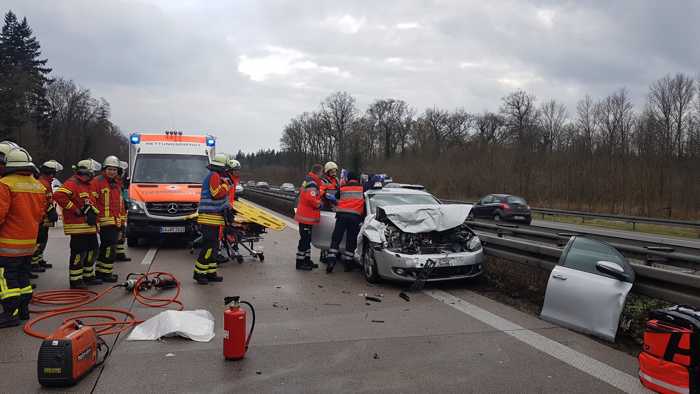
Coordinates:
[516,244]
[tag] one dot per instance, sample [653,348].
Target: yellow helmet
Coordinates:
[330,166]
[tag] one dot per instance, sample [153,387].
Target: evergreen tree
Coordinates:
[23,79]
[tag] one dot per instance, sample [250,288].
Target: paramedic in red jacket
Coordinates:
[308,213]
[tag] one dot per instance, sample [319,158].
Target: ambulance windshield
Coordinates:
[157,168]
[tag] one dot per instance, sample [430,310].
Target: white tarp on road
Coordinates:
[197,325]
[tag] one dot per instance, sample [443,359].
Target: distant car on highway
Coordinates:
[263,185]
[287,187]
[504,207]
[250,183]
[239,190]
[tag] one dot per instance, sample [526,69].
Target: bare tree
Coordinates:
[683,93]
[339,112]
[520,114]
[586,122]
[552,121]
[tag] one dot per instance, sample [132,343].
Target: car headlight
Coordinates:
[136,207]
[474,244]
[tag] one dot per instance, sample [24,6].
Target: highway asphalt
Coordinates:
[317,333]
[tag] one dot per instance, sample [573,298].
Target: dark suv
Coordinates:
[502,207]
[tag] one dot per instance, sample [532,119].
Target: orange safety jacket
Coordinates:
[45,181]
[309,205]
[122,203]
[233,182]
[71,196]
[108,199]
[22,206]
[352,199]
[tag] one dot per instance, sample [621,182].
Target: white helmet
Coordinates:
[18,159]
[234,164]
[330,166]
[51,166]
[111,161]
[123,165]
[87,167]
[219,161]
[5,148]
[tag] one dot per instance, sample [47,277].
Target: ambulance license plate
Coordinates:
[172,230]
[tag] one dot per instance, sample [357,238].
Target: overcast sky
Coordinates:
[242,69]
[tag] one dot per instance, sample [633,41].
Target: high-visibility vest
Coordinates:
[309,205]
[352,199]
[212,200]
[22,205]
[108,200]
[71,196]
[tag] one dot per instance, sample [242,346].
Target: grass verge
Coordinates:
[617,225]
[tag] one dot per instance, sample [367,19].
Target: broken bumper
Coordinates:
[405,267]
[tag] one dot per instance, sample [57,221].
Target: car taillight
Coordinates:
[505,206]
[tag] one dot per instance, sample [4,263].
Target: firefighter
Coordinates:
[47,172]
[329,184]
[22,206]
[212,204]
[308,213]
[124,183]
[80,222]
[348,219]
[234,174]
[109,203]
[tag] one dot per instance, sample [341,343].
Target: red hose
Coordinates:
[111,320]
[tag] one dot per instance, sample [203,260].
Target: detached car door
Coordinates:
[322,232]
[586,290]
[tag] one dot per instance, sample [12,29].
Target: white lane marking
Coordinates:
[580,361]
[289,224]
[150,255]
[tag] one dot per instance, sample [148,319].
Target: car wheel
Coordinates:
[369,264]
[497,217]
[528,222]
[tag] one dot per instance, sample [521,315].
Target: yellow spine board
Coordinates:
[246,212]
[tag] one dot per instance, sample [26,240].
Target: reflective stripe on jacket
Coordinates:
[352,199]
[213,200]
[46,182]
[22,207]
[108,200]
[309,206]
[71,196]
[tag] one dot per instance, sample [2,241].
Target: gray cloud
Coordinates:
[242,69]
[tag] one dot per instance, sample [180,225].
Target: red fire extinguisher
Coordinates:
[235,342]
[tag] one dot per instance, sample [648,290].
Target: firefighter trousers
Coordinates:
[107,254]
[206,260]
[79,267]
[42,239]
[348,225]
[304,245]
[15,289]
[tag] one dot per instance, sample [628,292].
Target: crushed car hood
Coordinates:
[424,218]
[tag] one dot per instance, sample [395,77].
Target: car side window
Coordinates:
[486,200]
[583,254]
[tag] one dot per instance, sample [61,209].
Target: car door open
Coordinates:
[587,289]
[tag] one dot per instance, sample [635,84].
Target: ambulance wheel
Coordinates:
[239,259]
[369,264]
[132,242]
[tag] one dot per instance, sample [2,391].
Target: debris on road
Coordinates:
[376,356]
[405,296]
[170,355]
[375,299]
[330,304]
[377,321]
[320,286]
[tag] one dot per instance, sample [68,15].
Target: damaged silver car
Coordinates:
[408,234]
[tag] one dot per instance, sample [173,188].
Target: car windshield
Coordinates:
[385,199]
[516,200]
[157,168]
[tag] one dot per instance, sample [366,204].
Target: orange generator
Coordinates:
[68,354]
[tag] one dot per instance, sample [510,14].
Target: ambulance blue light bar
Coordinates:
[135,138]
[211,141]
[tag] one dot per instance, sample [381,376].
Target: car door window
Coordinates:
[583,254]
[486,200]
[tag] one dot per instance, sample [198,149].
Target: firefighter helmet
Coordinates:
[5,148]
[111,161]
[18,159]
[51,166]
[219,161]
[330,166]
[234,165]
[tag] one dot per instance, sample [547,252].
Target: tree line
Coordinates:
[52,118]
[603,155]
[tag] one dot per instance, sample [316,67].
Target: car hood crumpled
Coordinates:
[424,218]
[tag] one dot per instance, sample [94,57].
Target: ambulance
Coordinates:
[166,171]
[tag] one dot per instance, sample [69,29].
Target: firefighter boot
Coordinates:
[92,281]
[107,278]
[33,276]
[38,268]
[330,263]
[24,301]
[201,279]
[10,314]
[43,263]
[213,277]
[78,284]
